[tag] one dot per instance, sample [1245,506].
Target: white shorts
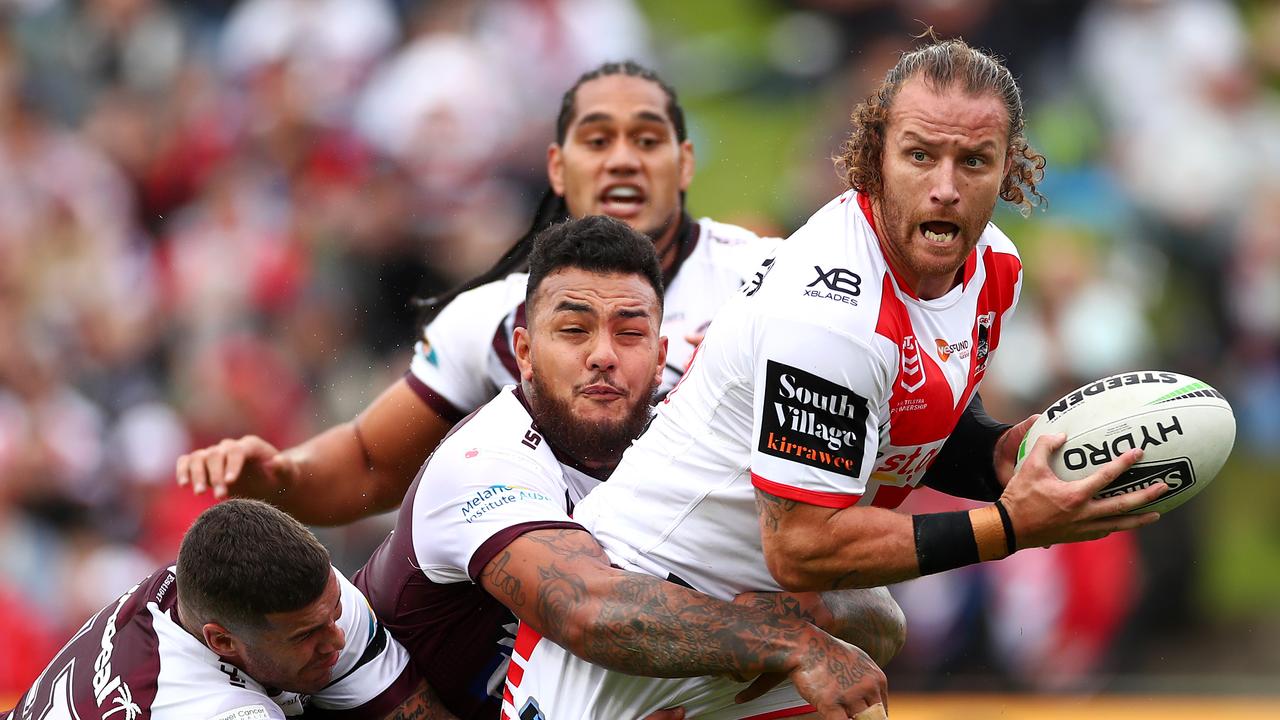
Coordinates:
[546,682]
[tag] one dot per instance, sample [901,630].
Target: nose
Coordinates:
[334,640]
[603,356]
[943,190]
[622,158]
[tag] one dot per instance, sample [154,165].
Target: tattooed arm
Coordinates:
[421,705]
[560,582]
[869,618]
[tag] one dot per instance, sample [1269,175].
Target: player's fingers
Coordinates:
[235,464]
[676,713]
[1129,502]
[1106,474]
[875,712]
[198,480]
[760,686]
[214,465]
[1118,523]
[1045,446]
[180,469]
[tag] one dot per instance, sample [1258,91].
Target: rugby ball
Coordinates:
[1184,427]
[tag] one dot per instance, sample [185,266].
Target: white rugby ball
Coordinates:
[1184,427]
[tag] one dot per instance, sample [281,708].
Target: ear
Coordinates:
[220,640]
[686,164]
[662,359]
[1008,161]
[555,168]
[524,351]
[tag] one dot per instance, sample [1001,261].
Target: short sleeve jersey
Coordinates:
[825,382]
[492,479]
[467,355]
[134,660]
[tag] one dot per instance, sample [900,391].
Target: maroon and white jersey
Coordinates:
[827,381]
[467,355]
[492,479]
[133,660]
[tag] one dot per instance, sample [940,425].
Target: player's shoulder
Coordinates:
[501,431]
[489,302]
[724,247]
[995,238]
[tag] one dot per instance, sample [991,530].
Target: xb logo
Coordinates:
[838,280]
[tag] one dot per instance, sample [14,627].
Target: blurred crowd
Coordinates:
[215,217]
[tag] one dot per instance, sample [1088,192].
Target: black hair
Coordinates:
[595,243]
[551,207]
[629,68]
[244,559]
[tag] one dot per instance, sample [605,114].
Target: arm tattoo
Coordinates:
[422,705]
[504,583]
[771,508]
[642,625]
[868,618]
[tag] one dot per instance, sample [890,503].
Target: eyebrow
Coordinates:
[984,146]
[578,307]
[602,117]
[303,632]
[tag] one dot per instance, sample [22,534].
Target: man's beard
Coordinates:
[594,444]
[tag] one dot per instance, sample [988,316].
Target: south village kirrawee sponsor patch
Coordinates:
[813,421]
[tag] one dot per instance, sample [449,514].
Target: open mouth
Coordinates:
[622,201]
[939,232]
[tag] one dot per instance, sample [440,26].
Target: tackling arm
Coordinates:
[868,618]
[560,582]
[345,473]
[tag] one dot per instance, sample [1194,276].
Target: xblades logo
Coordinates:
[838,280]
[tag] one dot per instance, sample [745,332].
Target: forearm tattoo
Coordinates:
[422,705]
[643,625]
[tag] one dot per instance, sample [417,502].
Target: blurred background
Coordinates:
[214,216]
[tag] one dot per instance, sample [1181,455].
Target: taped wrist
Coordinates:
[945,541]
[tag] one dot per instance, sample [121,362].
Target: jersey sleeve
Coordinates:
[450,366]
[815,420]
[373,674]
[472,505]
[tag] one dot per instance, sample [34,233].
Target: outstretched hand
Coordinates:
[1047,510]
[245,467]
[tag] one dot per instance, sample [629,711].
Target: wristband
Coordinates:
[944,541]
[1011,540]
[948,540]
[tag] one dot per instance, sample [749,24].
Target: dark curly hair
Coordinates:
[942,64]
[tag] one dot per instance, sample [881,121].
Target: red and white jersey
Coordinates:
[133,660]
[467,355]
[492,479]
[826,382]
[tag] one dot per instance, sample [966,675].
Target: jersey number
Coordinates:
[531,439]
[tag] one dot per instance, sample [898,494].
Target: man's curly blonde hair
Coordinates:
[942,64]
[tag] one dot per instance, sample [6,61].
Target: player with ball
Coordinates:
[839,381]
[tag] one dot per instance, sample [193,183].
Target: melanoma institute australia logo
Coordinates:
[496,496]
[814,421]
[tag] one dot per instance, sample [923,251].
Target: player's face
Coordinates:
[592,357]
[621,157]
[297,650]
[945,156]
